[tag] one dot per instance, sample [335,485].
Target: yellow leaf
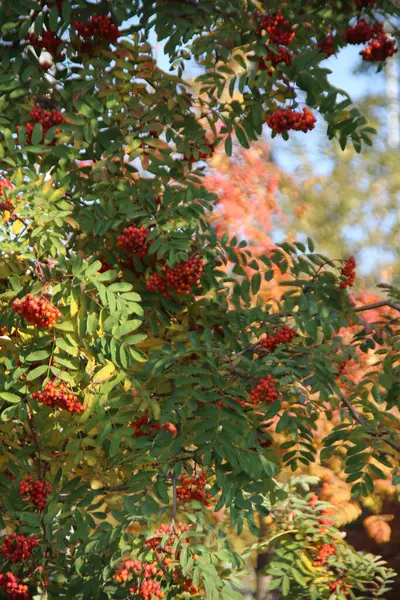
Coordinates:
[17,226]
[74,306]
[104,373]
[6,215]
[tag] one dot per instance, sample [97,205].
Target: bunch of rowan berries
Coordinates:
[133,241]
[5,184]
[181,278]
[275,58]
[379,49]
[342,367]
[35,491]
[193,488]
[16,548]
[264,391]
[365,3]
[339,583]
[323,552]
[348,273]
[278,28]
[200,153]
[327,46]
[48,41]
[57,395]
[362,32]
[150,427]
[172,533]
[15,590]
[37,310]
[47,118]
[285,119]
[280,336]
[98,27]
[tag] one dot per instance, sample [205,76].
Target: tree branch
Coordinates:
[377,305]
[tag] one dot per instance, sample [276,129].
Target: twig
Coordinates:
[174,500]
[377,305]
[34,438]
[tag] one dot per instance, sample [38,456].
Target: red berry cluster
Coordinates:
[181,278]
[322,520]
[35,491]
[327,46]
[342,367]
[146,578]
[365,3]
[192,488]
[48,41]
[47,119]
[37,310]
[97,28]
[282,56]
[285,119]
[278,28]
[380,48]
[133,241]
[15,590]
[348,273]
[323,552]
[58,395]
[5,184]
[264,391]
[16,548]
[361,32]
[150,427]
[280,336]
[201,155]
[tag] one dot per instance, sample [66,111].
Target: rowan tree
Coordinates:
[138,378]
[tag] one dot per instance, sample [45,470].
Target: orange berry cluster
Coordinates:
[35,491]
[15,590]
[16,548]
[133,241]
[37,310]
[5,184]
[192,488]
[339,583]
[326,46]
[348,273]
[98,27]
[58,395]
[323,552]
[278,28]
[361,32]
[285,119]
[264,391]
[47,119]
[48,41]
[147,579]
[380,48]
[280,336]
[181,278]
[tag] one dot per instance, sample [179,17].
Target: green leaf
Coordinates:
[36,373]
[8,397]
[127,327]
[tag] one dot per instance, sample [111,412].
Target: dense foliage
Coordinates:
[142,381]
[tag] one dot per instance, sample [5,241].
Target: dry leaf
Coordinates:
[377,528]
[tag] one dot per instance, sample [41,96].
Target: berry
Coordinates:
[58,396]
[35,491]
[98,28]
[275,58]
[348,273]
[16,548]
[192,488]
[47,119]
[326,46]
[278,28]
[5,184]
[264,391]
[285,119]
[13,587]
[280,336]
[324,552]
[48,41]
[380,48]
[361,32]
[181,278]
[37,310]
[133,241]
[201,155]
